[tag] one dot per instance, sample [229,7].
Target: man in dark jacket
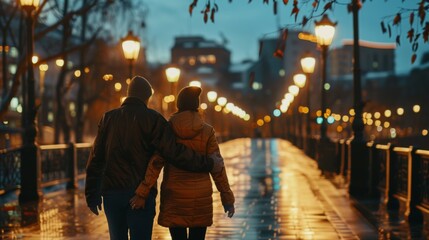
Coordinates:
[127,137]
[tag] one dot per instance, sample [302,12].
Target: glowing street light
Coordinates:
[173,75]
[299,80]
[222,101]
[308,62]
[131,49]
[294,90]
[325,30]
[195,83]
[212,96]
[30,182]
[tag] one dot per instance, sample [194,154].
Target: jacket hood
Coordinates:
[187,124]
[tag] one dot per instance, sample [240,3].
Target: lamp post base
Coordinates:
[326,156]
[30,175]
[360,170]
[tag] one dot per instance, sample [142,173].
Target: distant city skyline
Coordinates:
[243,24]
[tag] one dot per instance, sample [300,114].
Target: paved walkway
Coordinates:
[279,195]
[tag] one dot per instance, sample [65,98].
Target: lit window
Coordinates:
[192,61]
[202,59]
[13,52]
[6,48]
[72,107]
[211,59]
[12,68]
[267,118]
[50,117]
[118,87]
[327,86]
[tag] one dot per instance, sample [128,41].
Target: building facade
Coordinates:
[375,57]
[201,59]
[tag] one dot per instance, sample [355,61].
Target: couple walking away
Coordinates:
[132,146]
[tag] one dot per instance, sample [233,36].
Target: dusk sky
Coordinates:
[243,24]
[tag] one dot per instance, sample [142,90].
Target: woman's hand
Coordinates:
[230,209]
[137,202]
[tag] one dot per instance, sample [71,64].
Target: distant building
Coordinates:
[297,45]
[239,75]
[375,57]
[273,74]
[202,59]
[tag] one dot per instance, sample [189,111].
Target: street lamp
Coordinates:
[43,68]
[222,101]
[212,96]
[30,182]
[173,74]
[358,181]
[195,83]
[299,79]
[131,49]
[325,30]
[307,64]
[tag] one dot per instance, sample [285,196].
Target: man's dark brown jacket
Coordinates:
[127,137]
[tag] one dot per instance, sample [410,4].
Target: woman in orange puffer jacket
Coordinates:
[186,197]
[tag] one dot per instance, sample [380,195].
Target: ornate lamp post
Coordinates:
[307,64]
[173,74]
[325,30]
[359,167]
[222,101]
[43,68]
[212,96]
[131,49]
[195,83]
[30,169]
[300,79]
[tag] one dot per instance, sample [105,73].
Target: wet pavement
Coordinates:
[279,195]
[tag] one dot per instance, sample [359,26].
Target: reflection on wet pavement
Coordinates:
[275,199]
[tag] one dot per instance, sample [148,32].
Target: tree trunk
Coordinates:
[80,120]
[61,124]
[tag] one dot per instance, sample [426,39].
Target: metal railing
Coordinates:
[59,164]
[10,164]
[398,176]
[423,158]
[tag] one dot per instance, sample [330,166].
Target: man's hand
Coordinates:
[230,209]
[95,205]
[218,163]
[137,202]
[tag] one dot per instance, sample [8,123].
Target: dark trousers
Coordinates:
[121,218]
[195,233]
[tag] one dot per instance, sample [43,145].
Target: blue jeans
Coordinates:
[121,218]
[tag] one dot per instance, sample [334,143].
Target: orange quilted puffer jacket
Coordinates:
[186,197]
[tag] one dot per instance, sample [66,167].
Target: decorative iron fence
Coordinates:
[60,163]
[55,160]
[10,165]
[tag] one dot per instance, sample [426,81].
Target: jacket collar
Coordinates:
[133,101]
